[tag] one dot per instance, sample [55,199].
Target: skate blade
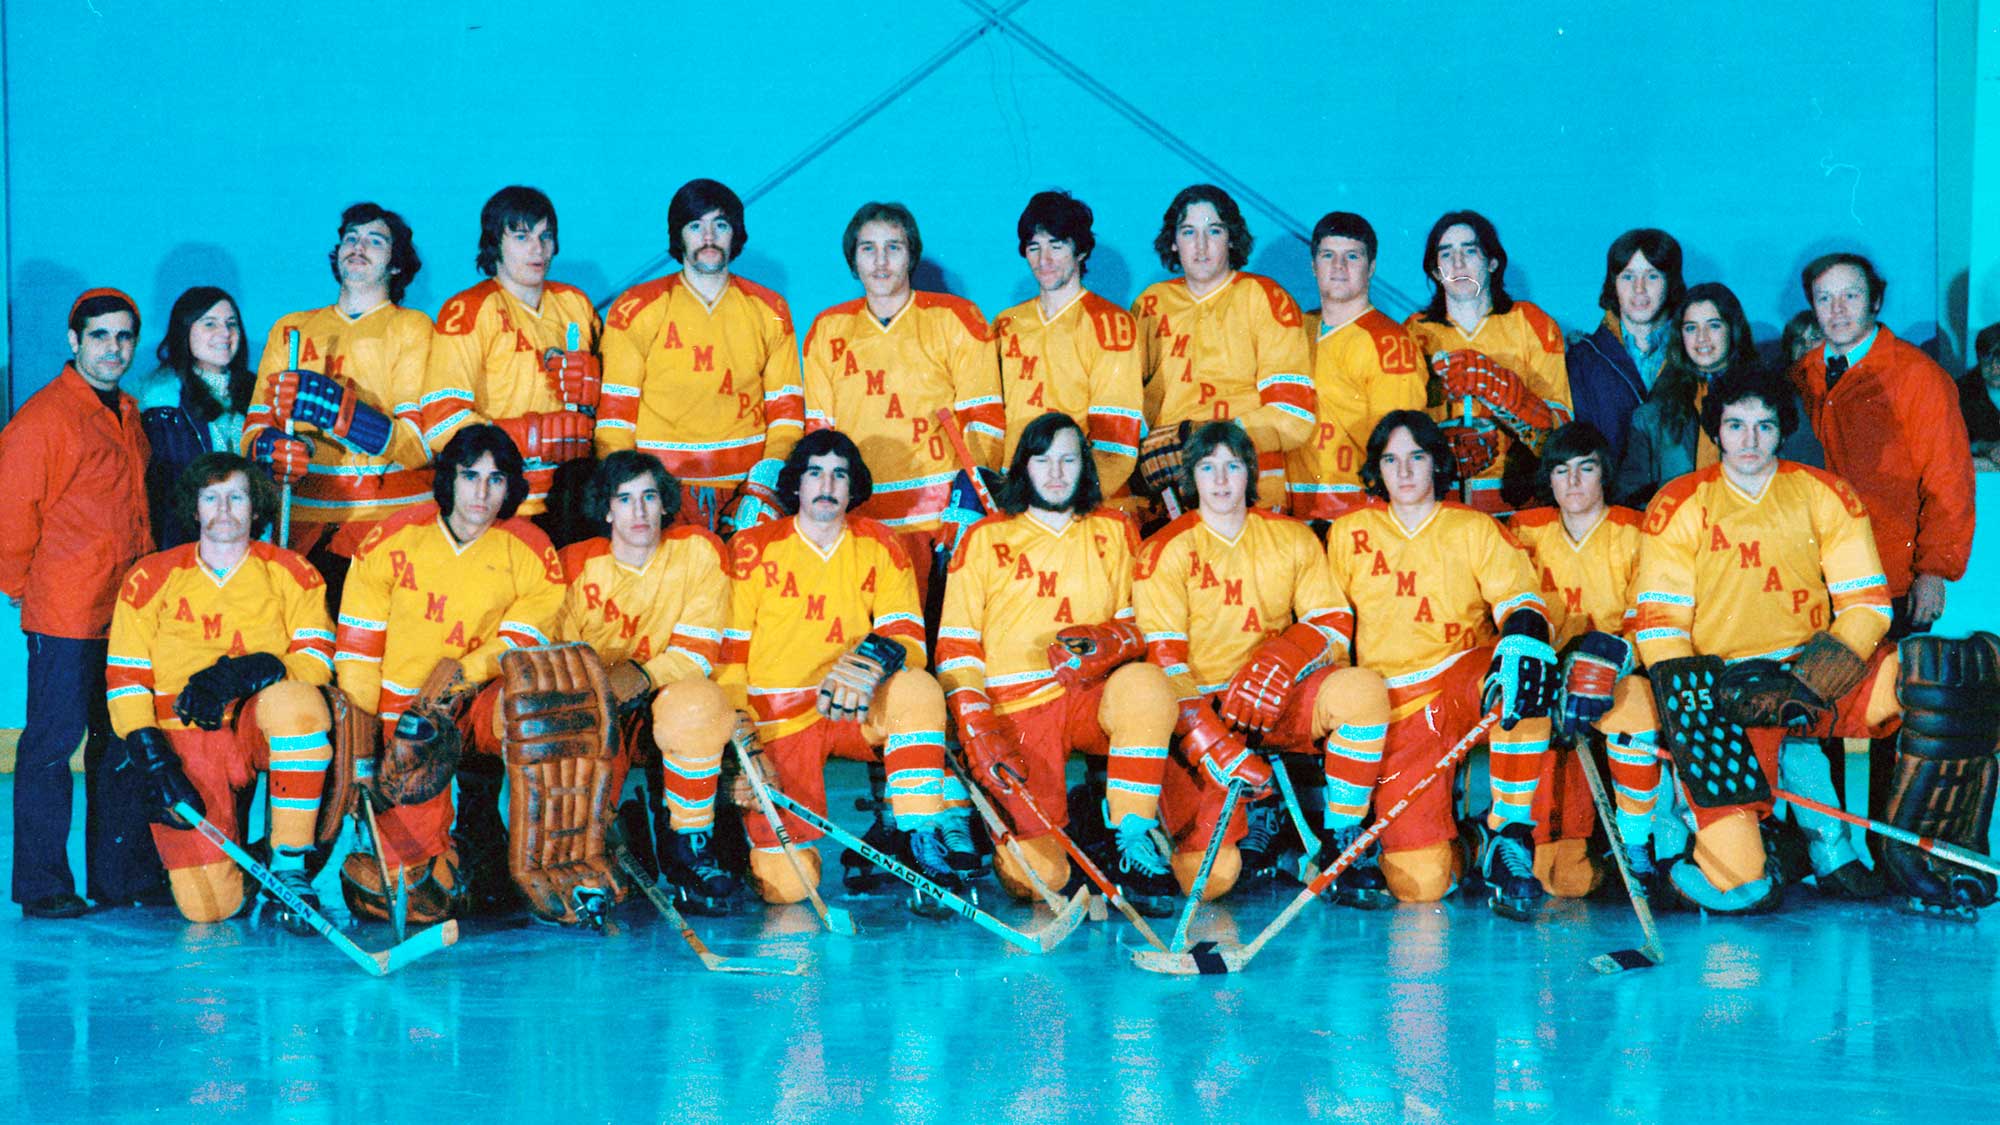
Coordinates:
[1918,908]
[1364,900]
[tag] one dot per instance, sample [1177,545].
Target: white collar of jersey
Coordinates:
[1061,312]
[888,326]
[1036,517]
[450,539]
[384,303]
[1217,291]
[1413,532]
[1739,490]
[695,291]
[1577,544]
[828,553]
[1238,538]
[220,577]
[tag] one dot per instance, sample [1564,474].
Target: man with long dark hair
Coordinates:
[343,429]
[1053,573]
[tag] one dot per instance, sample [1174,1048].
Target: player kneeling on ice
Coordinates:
[1446,608]
[1586,553]
[1762,605]
[824,653]
[1039,655]
[438,592]
[651,599]
[219,650]
[1238,608]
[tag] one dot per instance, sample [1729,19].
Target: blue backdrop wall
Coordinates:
[157,146]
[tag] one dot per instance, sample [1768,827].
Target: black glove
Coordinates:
[151,752]
[1522,678]
[210,691]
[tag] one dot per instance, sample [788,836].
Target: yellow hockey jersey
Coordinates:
[1421,597]
[1723,573]
[793,610]
[486,364]
[1205,603]
[1588,585]
[1014,584]
[415,596]
[710,390]
[1083,362]
[384,353]
[174,617]
[1361,370]
[883,384]
[1239,352]
[1526,341]
[668,615]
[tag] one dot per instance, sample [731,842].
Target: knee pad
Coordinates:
[1565,869]
[771,873]
[1424,874]
[692,717]
[906,702]
[1354,695]
[1632,710]
[1221,877]
[1730,851]
[1138,707]
[208,893]
[1045,856]
[291,707]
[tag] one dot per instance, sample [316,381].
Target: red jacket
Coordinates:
[1892,428]
[72,506]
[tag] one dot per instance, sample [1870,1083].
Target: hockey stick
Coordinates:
[1047,938]
[1216,957]
[1943,849]
[1298,815]
[399,903]
[377,964]
[1091,871]
[1229,803]
[835,919]
[1652,953]
[614,838]
[949,423]
[285,494]
[1002,834]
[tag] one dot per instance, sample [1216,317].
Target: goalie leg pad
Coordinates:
[692,721]
[1424,874]
[1944,783]
[210,892]
[1712,755]
[354,736]
[559,745]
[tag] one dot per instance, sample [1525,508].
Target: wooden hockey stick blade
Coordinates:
[1219,957]
[714,962]
[833,917]
[1200,884]
[1041,941]
[378,964]
[1623,960]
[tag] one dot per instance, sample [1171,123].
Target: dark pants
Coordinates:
[65,708]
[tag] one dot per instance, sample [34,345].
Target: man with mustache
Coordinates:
[343,430]
[702,370]
[72,520]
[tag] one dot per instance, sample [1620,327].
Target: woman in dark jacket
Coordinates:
[1611,370]
[194,402]
[1710,336]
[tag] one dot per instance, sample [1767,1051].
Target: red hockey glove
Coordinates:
[552,437]
[1257,693]
[1220,751]
[283,456]
[1475,445]
[994,756]
[577,377]
[1081,655]
[1516,406]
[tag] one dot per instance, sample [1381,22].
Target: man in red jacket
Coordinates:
[72,521]
[1889,419]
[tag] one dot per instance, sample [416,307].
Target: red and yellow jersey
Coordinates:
[667,615]
[1205,603]
[1424,595]
[384,353]
[175,616]
[710,390]
[794,609]
[1524,340]
[1723,573]
[1587,585]
[486,363]
[1083,362]
[1239,352]
[1361,370]
[1014,583]
[883,384]
[414,596]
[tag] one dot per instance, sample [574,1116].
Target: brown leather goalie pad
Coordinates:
[354,735]
[1946,773]
[559,743]
[420,757]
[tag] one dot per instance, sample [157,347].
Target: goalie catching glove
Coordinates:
[849,687]
[1764,693]
[1082,655]
[1257,693]
[420,758]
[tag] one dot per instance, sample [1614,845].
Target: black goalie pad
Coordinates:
[1711,754]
